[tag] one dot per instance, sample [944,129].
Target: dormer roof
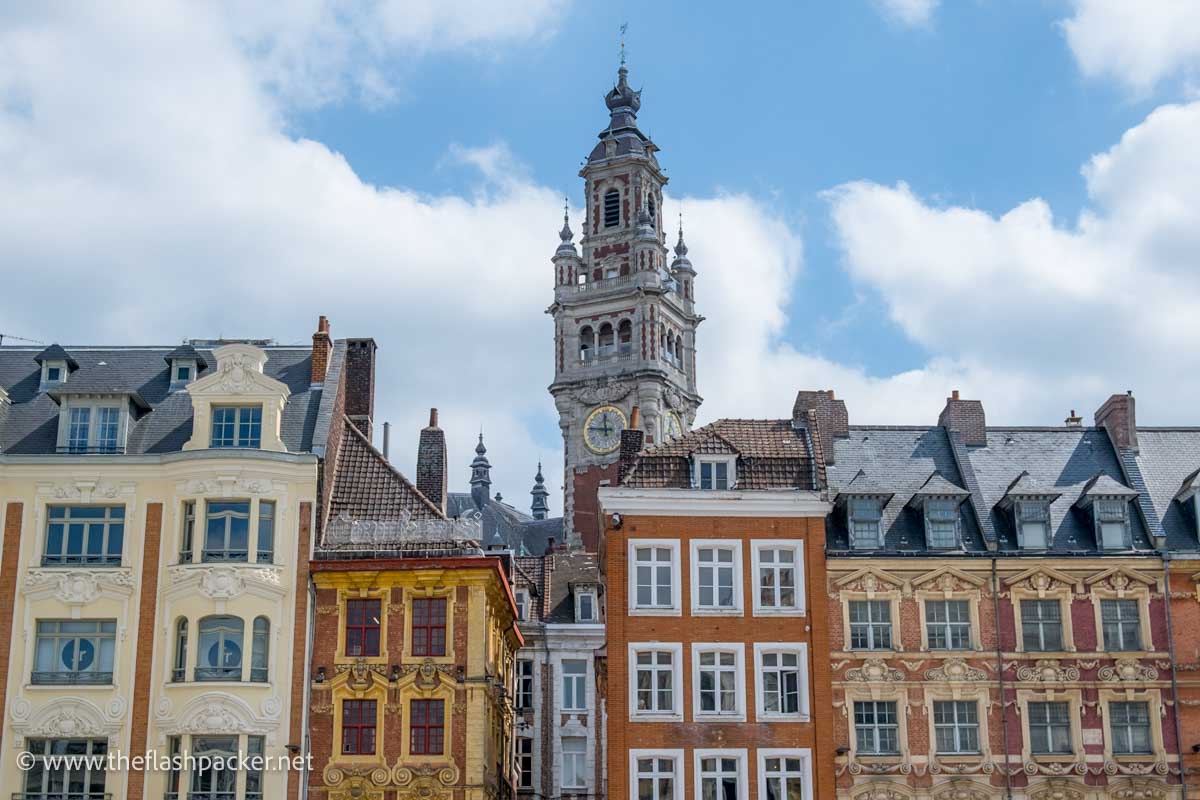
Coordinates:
[56,353]
[185,352]
[1103,486]
[99,379]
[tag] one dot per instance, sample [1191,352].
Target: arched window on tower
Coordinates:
[625,337]
[662,341]
[612,208]
[605,345]
[587,343]
[671,346]
[679,351]
[650,208]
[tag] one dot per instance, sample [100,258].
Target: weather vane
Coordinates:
[624,28]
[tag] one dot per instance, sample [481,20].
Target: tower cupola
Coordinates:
[541,505]
[481,476]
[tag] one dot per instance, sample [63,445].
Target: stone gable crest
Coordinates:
[871,581]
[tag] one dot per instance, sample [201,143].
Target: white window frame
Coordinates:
[677,777]
[800,649]
[581,685]
[676,712]
[799,610]
[63,372]
[591,594]
[519,680]
[520,757]
[743,768]
[676,607]
[94,407]
[805,756]
[736,610]
[582,763]
[730,471]
[522,598]
[739,665]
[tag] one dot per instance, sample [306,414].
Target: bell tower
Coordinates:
[624,315]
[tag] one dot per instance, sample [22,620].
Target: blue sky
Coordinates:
[892,198]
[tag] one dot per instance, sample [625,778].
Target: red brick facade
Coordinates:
[10,555]
[147,610]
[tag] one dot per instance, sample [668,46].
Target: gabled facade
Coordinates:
[158,507]
[717,625]
[998,610]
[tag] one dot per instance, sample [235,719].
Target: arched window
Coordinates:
[220,654]
[679,350]
[605,345]
[625,337]
[587,343]
[671,346]
[179,667]
[612,208]
[662,340]
[259,648]
[650,208]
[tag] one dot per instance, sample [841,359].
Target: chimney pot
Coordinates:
[431,475]
[833,421]
[433,419]
[966,417]
[954,395]
[635,418]
[321,351]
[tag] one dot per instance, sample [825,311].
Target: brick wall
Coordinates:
[299,666]
[587,507]
[360,383]
[147,610]
[10,559]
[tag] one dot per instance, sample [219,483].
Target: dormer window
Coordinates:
[941,523]
[237,426]
[715,474]
[865,522]
[53,373]
[585,606]
[1112,524]
[91,428]
[184,363]
[522,597]
[1033,524]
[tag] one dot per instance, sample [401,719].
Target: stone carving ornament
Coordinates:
[1047,670]
[962,791]
[221,583]
[1057,790]
[880,791]
[79,586]
[955,669]
[1139,790]
[874,670]
[606,393]
[1128,669]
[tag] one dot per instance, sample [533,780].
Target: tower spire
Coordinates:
[481,475]
[624,29]
[540,506]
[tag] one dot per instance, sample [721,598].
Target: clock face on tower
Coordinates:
[672,427]
[602,431]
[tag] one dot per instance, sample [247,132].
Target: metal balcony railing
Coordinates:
[71,678]
[218,673]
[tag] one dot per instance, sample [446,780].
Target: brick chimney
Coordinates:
[1118,418]
[431,462]
[360,383]
[833,421]
[632,439]
[322,348]
[966,417]
[1073,420]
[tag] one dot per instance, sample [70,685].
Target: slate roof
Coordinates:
[367,487]
[1166,458]
[31,423]
[508,527]
[771,454]
[1064,461]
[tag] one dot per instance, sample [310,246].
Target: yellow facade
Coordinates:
[470,679]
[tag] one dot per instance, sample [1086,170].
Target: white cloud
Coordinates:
[1136,43]
[909,13]
[1062,314]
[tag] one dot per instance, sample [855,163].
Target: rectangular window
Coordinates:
[266,532]
[876,727]
[777,578]
[78,430]
[586,609]
[358,727]
[718,678]
[362,627]
[654,569]
[1129,728]
[1041,626]
[1112,522]
[426,727]
[948,624]
[108,427]
[956,726]
[655,682]
[226,531]
[53,374]
[655,778]
[714,475]
[183,373]
[429,626]
[1122,624]
[254,777]
[715,572]
[522,598]
[574,768]
[1033,521]
[174,751]
[866,515]
[612,208]
[1049,728]
[574,683]
[72,652]
[84,535]
[65,768]
[187,537]
[236,426]
[785,778]
[720,778]
[941,523]
[216,777]
[870,625]
[524,690]
[524,762]
[779,673]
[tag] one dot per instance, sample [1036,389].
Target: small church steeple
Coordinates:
[541,506]
[481,475]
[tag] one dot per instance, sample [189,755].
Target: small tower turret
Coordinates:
[481,476]
[540,506]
